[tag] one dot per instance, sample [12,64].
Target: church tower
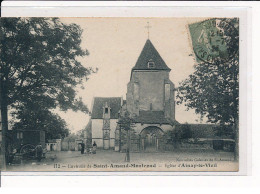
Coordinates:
[150,91]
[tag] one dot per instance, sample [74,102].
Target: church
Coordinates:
[149,98]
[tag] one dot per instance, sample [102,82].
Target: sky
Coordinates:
[114,45]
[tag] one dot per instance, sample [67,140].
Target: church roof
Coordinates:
[99,102]
[153,117]
[149,53]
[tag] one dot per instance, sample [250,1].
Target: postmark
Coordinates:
[214,39]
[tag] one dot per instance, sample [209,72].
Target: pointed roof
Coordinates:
[99,102]
[149,53]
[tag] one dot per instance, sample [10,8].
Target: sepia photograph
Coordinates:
[114,94]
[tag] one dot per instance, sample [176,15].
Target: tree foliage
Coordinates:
[184,131]
[39,71]
[39,62]
[125,121]
[212,90]
[53,125]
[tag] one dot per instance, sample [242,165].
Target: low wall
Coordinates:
[68,146]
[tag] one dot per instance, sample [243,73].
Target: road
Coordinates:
[108,160]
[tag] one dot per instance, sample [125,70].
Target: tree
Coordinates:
[42,119]
[40,63]
[126,123]
[80,133]
[185,131]
[213,89]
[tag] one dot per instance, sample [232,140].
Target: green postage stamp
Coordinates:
[212,39]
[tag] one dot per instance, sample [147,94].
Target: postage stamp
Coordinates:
[119,94]
[212,39]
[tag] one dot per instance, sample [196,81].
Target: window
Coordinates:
[106,110]
[151,106]
[151,65]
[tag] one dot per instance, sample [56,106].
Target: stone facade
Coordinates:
[98,133]
[151,90]
[149,99]
[103,123]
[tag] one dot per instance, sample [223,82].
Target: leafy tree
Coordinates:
[172,137]
[72,137]
[80,133]
[126,123]
[185,131]
[213,89]
[40,63]
[53,125]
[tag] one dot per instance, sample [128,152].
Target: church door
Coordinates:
[150,143]
[150,138]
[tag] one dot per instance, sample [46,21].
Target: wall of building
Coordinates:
[97,132]
[55,146]
[169,104]
[113,124]
[146,90]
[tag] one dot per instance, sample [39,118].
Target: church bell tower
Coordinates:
[150,90]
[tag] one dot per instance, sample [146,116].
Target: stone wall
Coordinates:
[146,91]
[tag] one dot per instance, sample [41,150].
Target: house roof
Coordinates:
[99,102]
[153,117]
[149,53]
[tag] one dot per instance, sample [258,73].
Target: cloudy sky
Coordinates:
[114,45]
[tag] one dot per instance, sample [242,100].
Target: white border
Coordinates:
[93,10]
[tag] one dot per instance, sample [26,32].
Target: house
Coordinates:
[53,145]
[103,122]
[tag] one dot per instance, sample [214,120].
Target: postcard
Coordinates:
[120,94]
